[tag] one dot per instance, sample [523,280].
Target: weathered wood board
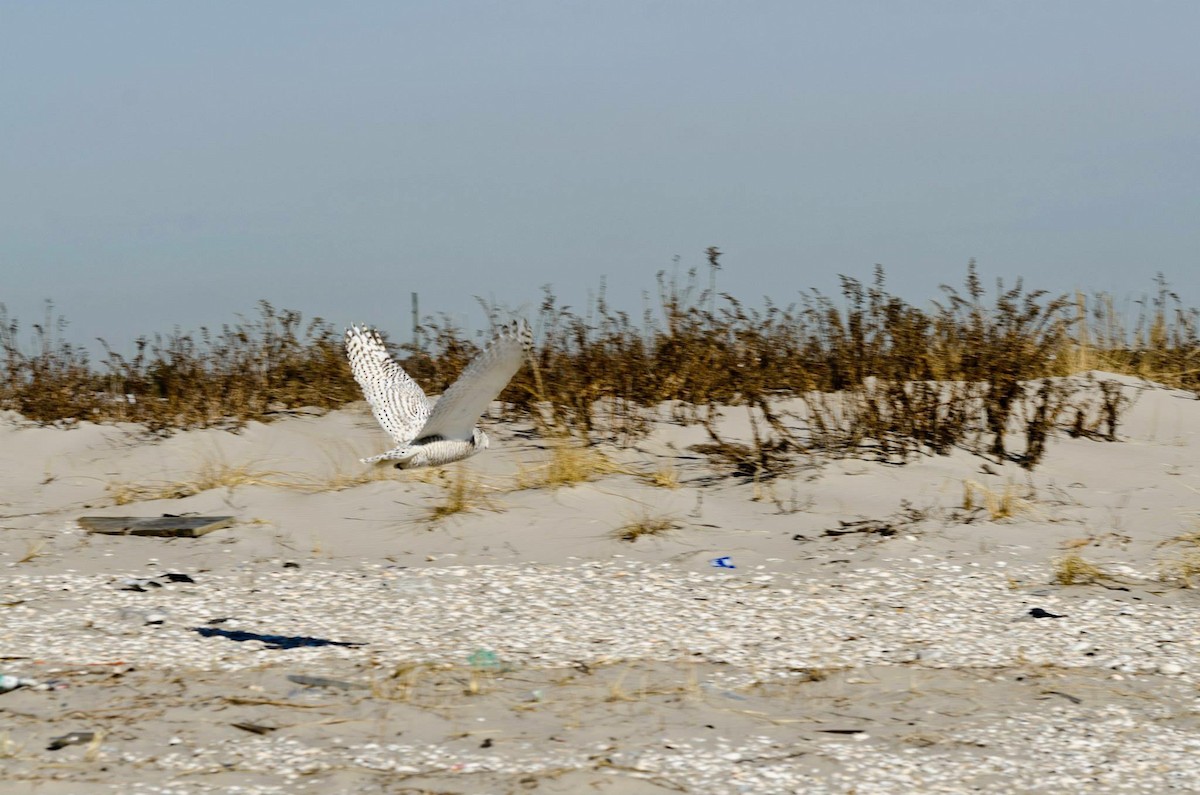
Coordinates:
[176,526]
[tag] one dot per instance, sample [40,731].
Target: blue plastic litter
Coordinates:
[723,563]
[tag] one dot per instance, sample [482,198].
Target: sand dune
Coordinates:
[874,633]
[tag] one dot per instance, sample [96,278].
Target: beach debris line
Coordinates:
[166,525]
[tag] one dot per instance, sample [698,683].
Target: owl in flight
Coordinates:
[432,434]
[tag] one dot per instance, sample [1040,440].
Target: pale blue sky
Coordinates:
[165,163]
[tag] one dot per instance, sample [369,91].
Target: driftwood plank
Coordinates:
[177,526]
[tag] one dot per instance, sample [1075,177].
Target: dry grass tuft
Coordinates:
[999,505]
[618,689]
[1182,569]
[569,463]
[210,475]
[33,550]
[401,684]
[1072,569]
[1192,537]
[1078,543]
[645,525]
[462,492]
[665,477]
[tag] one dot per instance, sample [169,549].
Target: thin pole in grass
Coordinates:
[416,323]
[714,264]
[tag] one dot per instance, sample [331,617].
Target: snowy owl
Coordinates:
[431,434]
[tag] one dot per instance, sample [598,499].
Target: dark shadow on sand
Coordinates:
[272,641]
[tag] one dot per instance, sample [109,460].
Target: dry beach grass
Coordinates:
[874,373]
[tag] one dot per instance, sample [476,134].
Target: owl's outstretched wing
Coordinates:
[458,409]
[398,402]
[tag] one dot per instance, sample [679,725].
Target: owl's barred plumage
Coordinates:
[432,434]
[398,402]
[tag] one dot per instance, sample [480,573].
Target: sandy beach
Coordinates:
[953,624]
